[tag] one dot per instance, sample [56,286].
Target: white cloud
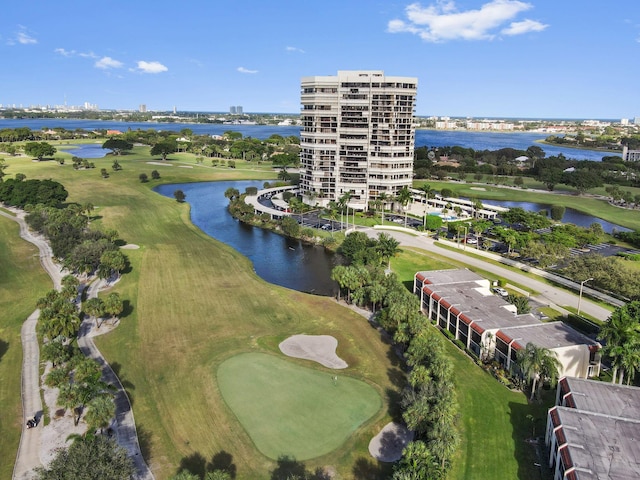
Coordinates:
[25,39]
[294,49]
[106,63]
[246,70]
[65,53]
[151,67]
[442,21]
[518,28]
[22,37]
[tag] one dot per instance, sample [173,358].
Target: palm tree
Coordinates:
[621,335]
[101,411]
[343,203]
[113,305]
[538,364]
[383,197]
[427,193]
[387,246]
[404,196]
[94,307]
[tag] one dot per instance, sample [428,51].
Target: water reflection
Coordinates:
[277,259]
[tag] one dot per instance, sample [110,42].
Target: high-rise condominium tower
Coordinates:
[357,137]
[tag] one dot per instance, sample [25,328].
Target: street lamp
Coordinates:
[580,297]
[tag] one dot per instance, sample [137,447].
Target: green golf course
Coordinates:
[293,410]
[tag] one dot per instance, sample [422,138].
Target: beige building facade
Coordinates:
[357,138]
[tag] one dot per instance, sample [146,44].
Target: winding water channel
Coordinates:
[276,259]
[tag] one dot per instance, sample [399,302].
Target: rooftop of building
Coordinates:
[470,293]
[600,446]
[604,398]
[547,335]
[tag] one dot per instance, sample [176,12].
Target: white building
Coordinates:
[357,136]
[630,155]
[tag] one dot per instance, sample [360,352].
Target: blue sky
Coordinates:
[494,58]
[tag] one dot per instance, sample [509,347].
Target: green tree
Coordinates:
[387,247]
[101,411]
[117,145]
[94,307]
[155,174]
[290,227]
[403,197]
[232,193]
[621,336]
[39,150]
[143,177]
[179,196]
[113,305]
[418,463]
[164,148]
[557,212]
[89,457]
[538,364]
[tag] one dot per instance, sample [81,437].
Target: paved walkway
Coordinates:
[30,450]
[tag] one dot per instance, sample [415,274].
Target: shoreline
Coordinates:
[575,147]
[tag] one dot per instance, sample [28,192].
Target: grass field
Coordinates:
[22,282]
[292,410]
[191,303]
[493,420]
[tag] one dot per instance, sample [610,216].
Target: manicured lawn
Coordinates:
[22,282]
[288,409]
[191,303]
[493,420]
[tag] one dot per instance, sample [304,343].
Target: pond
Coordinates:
[277,259]
[570,215]
[85,150]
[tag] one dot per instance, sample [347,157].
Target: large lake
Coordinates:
[277,259]
[431,138]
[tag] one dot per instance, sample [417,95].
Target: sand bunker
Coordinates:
[482,189]
[185,166]
[387,446]
[161,164]
[130,246]
[318,348]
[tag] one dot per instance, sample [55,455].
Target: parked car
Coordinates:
[500,291]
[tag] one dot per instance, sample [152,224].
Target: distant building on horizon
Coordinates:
[142,108]
[236,110]
[232,110]
[357,137]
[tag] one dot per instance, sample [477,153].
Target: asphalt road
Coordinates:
[546,294]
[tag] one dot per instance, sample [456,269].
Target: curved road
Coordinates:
[28,456]
[547,294]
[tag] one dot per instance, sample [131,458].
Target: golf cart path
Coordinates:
[31,450]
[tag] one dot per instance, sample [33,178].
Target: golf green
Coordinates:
[291,410]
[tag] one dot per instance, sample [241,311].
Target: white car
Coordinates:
[500,291]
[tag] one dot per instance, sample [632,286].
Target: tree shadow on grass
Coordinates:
[144,440]
[4,347]
[289,467]
[194,463]
[126,384]
[197,465]
[368,469]
[127,309]
[222,461]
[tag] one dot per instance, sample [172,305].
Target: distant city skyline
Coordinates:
[473,58]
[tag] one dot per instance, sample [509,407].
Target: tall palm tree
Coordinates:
[384,198]
[427,193]
[621,336]
[404,196]
[101,411]
[538,364]
[343,203]
[387,247]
